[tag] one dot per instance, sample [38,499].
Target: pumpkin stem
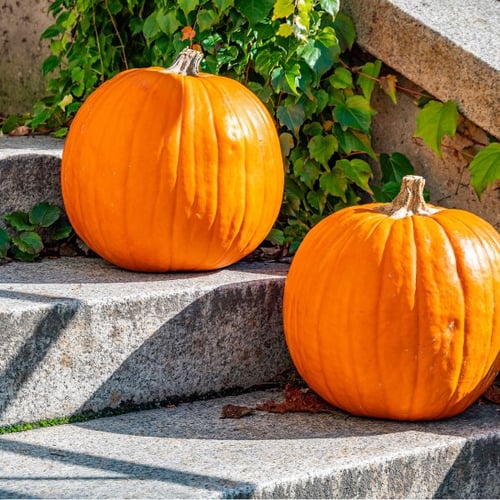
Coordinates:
[410,199]
[186,63]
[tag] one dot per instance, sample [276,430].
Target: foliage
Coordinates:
[31,233]
[294,54]
[288,52]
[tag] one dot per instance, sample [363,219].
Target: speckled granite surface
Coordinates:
[190,452]
[78,334]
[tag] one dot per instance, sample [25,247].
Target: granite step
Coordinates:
[188,451]
[78,335]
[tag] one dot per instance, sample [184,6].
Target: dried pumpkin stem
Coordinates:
[187,63]
[410,199]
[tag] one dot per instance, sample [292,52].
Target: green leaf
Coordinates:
[60,132]
[255,11]
[357,171]
[485,168]
[223,5]
[317,200]
[265,62]
[50,64]
[286,143]
[344,27]
[303,17]
[188,6]
[341,79]
[394,167]
[366,83]
[354,141]
[28,242]
[434,121]
[283,8]
[355,112]
[206,19]
[52,31]
[61,232]
[331,6]
[276,237]
[167,22]
[10,124]
[19,221]
[150,27]
[17,254]
[292,74]
[319,57]
[322,148]
[44,215]
[285,30]
[313,128]
[334,183]
[292,117]
[307,171]
[4,242]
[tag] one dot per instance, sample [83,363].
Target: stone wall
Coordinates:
[22,53]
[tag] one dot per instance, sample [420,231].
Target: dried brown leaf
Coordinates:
[188,33]
[235,411]
[297,400]
[20,130]
[492,394]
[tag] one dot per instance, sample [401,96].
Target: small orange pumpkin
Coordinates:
[392,310]
[172,169]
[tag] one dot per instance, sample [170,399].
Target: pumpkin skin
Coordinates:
[171,169]
[392,311]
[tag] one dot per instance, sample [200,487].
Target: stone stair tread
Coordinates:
[188,451]
[80,335]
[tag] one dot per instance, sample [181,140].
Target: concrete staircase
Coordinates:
[79,337]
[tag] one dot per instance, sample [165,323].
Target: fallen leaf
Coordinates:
[21,130]
[297,400]
[492,394]
[235,411]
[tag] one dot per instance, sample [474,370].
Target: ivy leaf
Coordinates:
[334,183]
[223,5]
[367,84]
[485,168]
[434,121]
[44,215]
[313,128]
[206,19]
[19,221]
[28,242]
[285,30]
[292,74]
[355,112]
[354,141]
[188,6]
[50,64]
[255,11]
[286,143]
[265,62]
[317,200]
[150,27]
[322,148]
[357,171]
[388,85]
[307,171]
[167,22]
[283,8]
[302,19]
[292,117]
[60,232]
[331,6]
[341,79]
[344,28]
[394,167]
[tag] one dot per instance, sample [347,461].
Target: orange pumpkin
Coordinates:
[172,169]
[392,310]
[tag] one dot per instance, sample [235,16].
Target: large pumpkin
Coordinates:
[393,310]
[172,169]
